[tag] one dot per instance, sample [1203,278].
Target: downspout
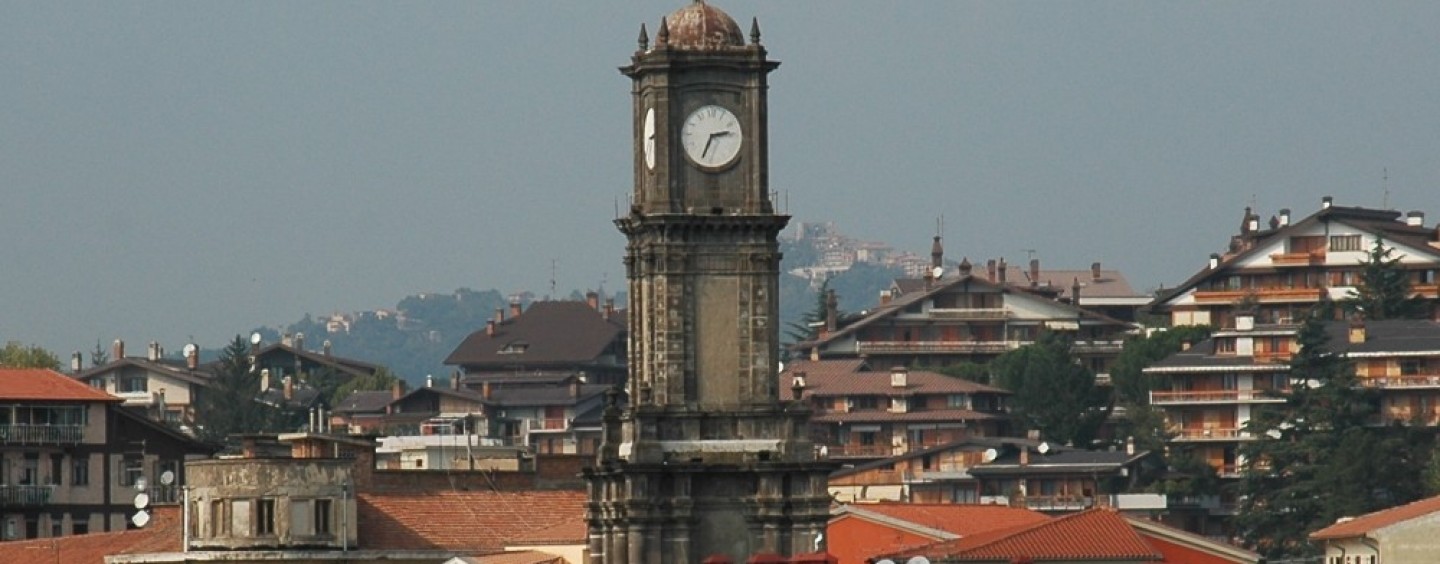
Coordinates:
[344,518]
[185,519]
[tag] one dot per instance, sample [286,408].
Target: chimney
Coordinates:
[1033,434]
[515,308]
[1034,272]
[77,361]
[286,340]
[1415,218]
[1357,331]
[592,299]
[397,389]
[1214,261]
[990,270]
[1285,217]
[152,351]
[1000,270]
[884,297]
[609,308]
[832,306]
[1095,271]
[1130,445]
[1326,202]
[1185,345]
[264,380]
[965,266]
[299,341]
[499,316]
[1245,221]
[327,348]
[937,254]
[289,389]
[490,328]
[192,360]
[429,380]
[486,390]
[117,350]
[899,377]
[1075,293]
[797,385]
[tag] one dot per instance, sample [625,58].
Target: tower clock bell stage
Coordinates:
[706,459]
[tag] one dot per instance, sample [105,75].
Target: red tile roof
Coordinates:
[161,535]
[1378,520]
[519,557]
[571,530]
[1096,534]
[38,384]
[461,520]
[958,518]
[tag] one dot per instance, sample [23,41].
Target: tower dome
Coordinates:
[699,27]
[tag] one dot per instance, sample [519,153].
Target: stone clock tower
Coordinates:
[707,458]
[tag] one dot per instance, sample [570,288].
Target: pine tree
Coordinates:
[808,327]
[1384,289]
[1052,391]
[228,406]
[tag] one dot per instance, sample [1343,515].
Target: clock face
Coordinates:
[649,138]
[711,136]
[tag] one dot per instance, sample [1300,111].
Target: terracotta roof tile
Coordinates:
[518,557]
[1096,534]
[571,530]
[1378,520]
[461,520]
[43,384]
[161,535]
[958,518]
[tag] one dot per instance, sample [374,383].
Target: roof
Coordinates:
[171,368]
[1161,533]
[1387,337]
[43,384]
[365,402]
[700,26]
[828,378]
[547,334]
[461,520]
[1094,534]
[961,444]
[1093,283]
[522,396]
[955,518]
[517,557]
[344,365]
[1365,524]
[570,530]
[1058,460]
[161,535]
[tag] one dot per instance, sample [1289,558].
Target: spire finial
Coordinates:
[754,31]
[662,37]
[644,38]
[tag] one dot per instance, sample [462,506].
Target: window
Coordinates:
[57,525]
[959,401]
[80,526]
[322,517]
[133,384]
[1344,243]
[30,470]
[265,517]
[867,438]
[57,466]
[1225,346]
[1411,367]
[866,402]
[131,469]
[80,470]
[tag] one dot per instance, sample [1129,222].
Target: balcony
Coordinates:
[553,425]
[1097,346]
[936,347]
[41,434]
[1264,295]
[1212,396]
[1298,259]
[978,314]
[1208,434]
[1401,382]
[25,496]
[1058,502]
[860,451]
[141,398]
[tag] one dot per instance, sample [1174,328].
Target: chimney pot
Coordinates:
[1214,261]
[153,351]
[899,377]
[1357,331]
[1000,270]
[490,328]
[1130,445]
[264,379]
[327,347]
[515,309]
[990,269]
[1034,272]
[499,316]
[429,380]
[192,361]
[1326,202]
[117,350]
[884,297]
[1285,217]
[1095,271]
[397,389]
[77,361]
[592,299]
[1415,219]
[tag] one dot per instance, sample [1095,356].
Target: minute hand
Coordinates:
[711,139]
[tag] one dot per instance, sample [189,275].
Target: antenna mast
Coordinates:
[1385,183]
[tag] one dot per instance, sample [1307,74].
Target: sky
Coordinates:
[187,171]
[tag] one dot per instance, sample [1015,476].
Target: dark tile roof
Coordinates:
[365,402]
[1202,356]
[968,443]
[834,378]
[176,369]
[549,333]
[1396,336]
[348,366]
[543,395]
[1058,460]
[161,535]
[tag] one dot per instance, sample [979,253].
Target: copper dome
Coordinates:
[701,26]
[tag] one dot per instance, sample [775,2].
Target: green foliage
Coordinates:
[1132,385]
[228,406]
[99,356]
[1384,288]
[805,328]
[1322,461]
[1188,476]
[382,379]
[16,355]
[1052,391]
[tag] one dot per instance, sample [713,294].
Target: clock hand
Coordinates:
[706,150]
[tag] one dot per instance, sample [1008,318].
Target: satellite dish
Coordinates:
[141,518]
[918,560]
[140,484]
[990,454]
[255,338]
[167,477]
[189,350]
[886,561]
[142,500]
[1043,448]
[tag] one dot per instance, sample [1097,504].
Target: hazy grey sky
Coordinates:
[178,169]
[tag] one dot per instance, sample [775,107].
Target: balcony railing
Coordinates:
[860,451]
[1208,434]
[1212,396]
[25,496]
[1298,259]
[970,313]
[973,347]
[1058,502]
[1262,294]
[544,425]
[1427,381]
[41,434]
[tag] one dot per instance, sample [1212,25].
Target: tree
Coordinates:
[1384,290]
[808,326]
[1052,391]
[16,355]
[1316,460]
[1132,385]
[99,356]
[228,406]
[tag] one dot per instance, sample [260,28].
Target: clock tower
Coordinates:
[707,458]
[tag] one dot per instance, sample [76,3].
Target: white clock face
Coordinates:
[649,138]
[711,136]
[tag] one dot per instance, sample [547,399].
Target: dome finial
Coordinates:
[644,38]
[662,37]
[754,31]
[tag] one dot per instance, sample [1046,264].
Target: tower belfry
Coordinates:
[706,458]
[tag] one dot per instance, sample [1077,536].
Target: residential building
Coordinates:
[71,457]
[1392,536]
[166,389]
[549,337]
[1059,479]
[1275,274]
[937,474]
[1096,535]
[289,359]
[973,318]
[860,413]
[858,532]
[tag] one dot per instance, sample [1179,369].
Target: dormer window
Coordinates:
[517,347]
